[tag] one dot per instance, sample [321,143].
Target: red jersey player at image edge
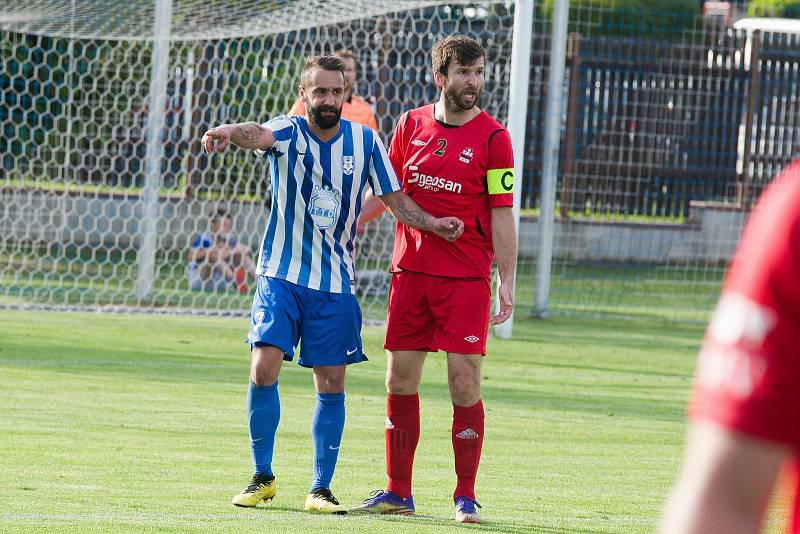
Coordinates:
[745,407]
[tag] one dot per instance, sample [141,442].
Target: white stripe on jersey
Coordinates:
[316,189]
[316,259]
[337,180]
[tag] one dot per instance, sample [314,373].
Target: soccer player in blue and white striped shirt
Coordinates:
[320,167]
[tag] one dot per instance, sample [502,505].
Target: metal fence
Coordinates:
[652,125]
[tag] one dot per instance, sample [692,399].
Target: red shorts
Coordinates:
[432,313]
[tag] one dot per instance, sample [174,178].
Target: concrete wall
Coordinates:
[710,235]
[114,221]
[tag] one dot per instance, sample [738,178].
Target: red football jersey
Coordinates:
[460,171]
[748,375]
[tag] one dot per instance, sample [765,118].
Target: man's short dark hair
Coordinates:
[220,214]
[320,62]
[465,50]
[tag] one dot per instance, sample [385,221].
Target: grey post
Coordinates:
[149,212]
[552,138]
[517,115]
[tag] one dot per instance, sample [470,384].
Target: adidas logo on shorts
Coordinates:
[468,434]
[389,424]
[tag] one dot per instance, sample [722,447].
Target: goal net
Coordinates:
[78,204]
[672,119]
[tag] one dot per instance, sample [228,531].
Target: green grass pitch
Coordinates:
[112,422]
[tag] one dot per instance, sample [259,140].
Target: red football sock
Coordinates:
[467,443]
[402,436]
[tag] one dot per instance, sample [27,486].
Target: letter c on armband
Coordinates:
[500,181]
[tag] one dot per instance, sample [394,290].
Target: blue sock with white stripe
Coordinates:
[264,413]
[326,433]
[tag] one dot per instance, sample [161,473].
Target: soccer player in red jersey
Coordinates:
[452,158]
[745,408]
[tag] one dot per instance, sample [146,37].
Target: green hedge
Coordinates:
[631,18]
[774,8]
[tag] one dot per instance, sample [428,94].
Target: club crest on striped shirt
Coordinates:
[324,206]
[348,163]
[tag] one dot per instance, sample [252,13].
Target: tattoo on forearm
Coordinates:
[413,217]
[249,132]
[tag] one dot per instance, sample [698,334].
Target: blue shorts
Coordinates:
[327,325]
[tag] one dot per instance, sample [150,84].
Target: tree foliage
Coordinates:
[774,8]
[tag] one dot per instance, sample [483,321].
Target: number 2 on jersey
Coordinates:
[440,151]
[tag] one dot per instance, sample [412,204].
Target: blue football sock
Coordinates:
[326,433]
[264,412]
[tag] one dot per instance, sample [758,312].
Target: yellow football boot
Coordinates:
[261,488]
[323,501]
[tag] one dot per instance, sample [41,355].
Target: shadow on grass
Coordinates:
[391,522]
[487,525]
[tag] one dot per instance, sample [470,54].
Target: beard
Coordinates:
[456,101]
[316,117]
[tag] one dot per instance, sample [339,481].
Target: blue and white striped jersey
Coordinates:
[316,198]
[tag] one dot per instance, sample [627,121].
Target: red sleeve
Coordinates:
[397,149]
[768,254]
[748,374]
[501,156]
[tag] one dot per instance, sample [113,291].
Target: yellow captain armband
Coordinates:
[500,181]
